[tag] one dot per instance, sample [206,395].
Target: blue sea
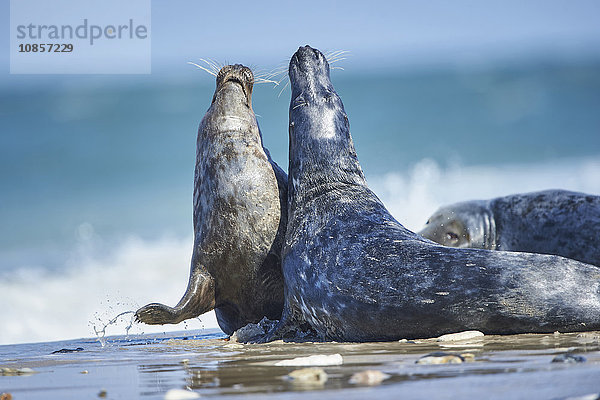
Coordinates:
[97,172]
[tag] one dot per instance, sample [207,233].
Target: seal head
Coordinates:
[466,224]
[552,221]
[318,127]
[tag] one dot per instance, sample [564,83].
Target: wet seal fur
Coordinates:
[240,214]
[355,274]
[555,222]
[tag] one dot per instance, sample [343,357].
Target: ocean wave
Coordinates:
[413,195]
[87,293]
[91,289]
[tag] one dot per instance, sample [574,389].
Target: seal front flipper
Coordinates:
[291,328]
[276,332]
[198,299]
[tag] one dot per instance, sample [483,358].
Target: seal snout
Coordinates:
[308,51]
[309,72]
[306,57]
[237,73]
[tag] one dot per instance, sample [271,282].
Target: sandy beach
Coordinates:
[206,364]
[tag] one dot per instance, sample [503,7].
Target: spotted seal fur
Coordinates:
[556,222]
[356,274]
[240,214]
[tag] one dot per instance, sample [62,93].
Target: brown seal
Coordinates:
[240,215]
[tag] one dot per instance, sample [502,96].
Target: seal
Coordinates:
[556,222]
[240,215]
[354,273]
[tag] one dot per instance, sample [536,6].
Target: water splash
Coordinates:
[101,333]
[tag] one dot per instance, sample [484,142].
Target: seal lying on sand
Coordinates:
[551,222]
[355,274]
[240,214]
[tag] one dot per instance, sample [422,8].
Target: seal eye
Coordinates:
[451,236]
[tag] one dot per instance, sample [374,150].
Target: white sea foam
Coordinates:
[413,195]
[38,305]
[314,360]
[42,306]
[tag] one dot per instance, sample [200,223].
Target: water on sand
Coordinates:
[540,366]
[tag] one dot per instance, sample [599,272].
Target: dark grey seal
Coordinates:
[355,274]
[551,222]
[240,214]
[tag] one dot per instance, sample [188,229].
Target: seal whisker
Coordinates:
[336,55]
[299,105]
[284,76]
[272,75]
[332,54]
[259,73]
[203,68]
[262,72]
[286,85]
[213,64]
[337,59]
[264,77]
[264,80]
[276,72]
[282,67]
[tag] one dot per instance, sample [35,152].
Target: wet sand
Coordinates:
[205,363]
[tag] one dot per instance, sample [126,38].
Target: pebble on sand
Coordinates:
[369,377]
[406,341]
[588,337]
[308,376]
[233,346]
[180,394]
[591,396]
[466,335]
[61,351]
[16,371]
[440,358]
[568,358]
[316,360]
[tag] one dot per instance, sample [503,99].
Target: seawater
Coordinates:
[97,173]
[205,363]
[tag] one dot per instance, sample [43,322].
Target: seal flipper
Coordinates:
[292,327]
[198,299]
[277,331]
